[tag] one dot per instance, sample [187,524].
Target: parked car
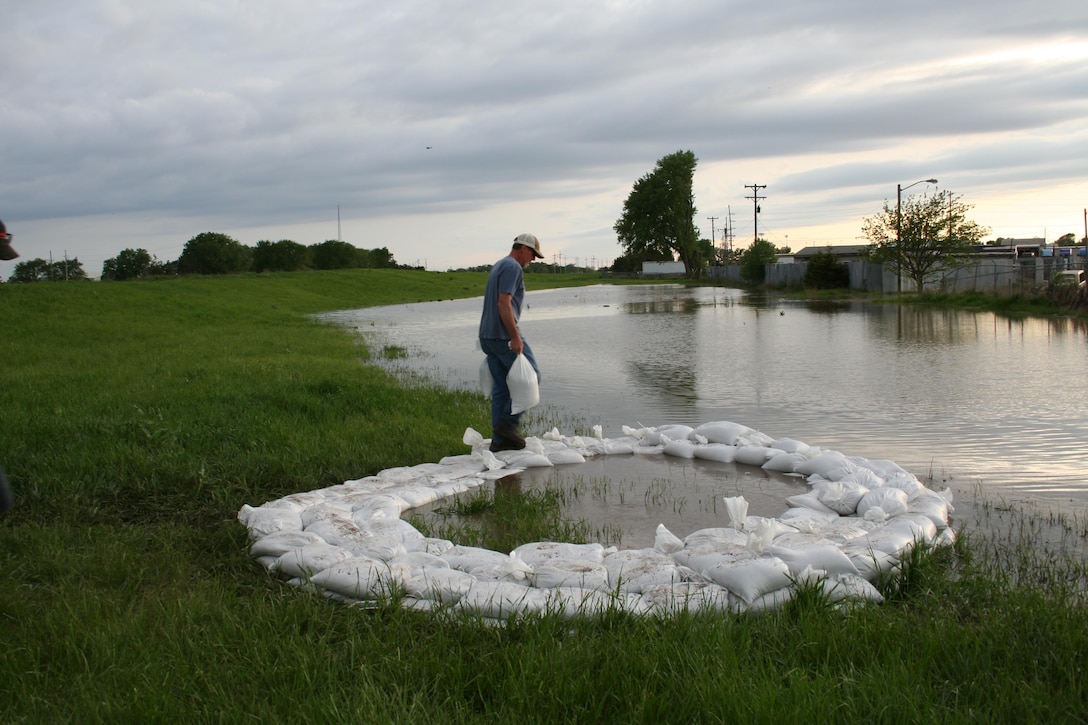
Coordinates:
[1070,276]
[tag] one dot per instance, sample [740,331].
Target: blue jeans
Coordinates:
[500,358]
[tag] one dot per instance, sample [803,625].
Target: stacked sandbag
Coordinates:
[856,522]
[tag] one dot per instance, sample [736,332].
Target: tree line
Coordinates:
[214,253]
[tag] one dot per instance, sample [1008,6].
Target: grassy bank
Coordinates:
[138,417]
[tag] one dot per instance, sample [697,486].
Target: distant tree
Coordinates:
[657,220]
[334,254]
[282,256]
[934,234]
[823,271]
[754,259]
[162,269]
[1066,240]
[214,253]
[380,258]
[39,270]
[128,264]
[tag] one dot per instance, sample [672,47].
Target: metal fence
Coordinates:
[993,276]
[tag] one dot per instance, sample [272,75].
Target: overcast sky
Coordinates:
[442,129]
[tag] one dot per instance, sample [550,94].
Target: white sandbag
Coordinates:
[443,585]
[768,602]
[487,383]
[523,459]
[721,452]
[826,557]
[264,520]
[724,535]
[340,509]
[925,530]
[783,462]
[753,455]
[709,555]
[673,431]
[379,506]
[281,542]
[523,384]
[564,456]
[510,568]
[932,505]
[376,546]
[810,501]
[415,495]
[467,558]
[570,573]
[337,531]
[789,445]
[722,431]
[871,563]
[865,477]
[755,438]
[310,559]
[852,587]
[798,516]
[752,578]
[829,465]
[502,600]
[635,570]
[907,483]
[884,468]
[688,597]
[570,602]
[540,552]
[840,497]
[415,561]
[892,501]
[897,537]
[361,578]
[844,529]
[667,542]
[680,448]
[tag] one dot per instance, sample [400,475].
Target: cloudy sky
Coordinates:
[442,128]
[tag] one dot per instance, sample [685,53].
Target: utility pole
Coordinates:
[729,228]
[713,242]
[755,197]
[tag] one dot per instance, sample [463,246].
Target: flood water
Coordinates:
[967,400]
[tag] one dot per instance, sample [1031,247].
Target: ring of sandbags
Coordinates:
[856,522]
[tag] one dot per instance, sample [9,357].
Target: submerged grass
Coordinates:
[138,418]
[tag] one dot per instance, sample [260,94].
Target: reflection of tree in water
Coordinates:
[665,360]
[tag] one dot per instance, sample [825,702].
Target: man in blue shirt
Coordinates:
[501,339]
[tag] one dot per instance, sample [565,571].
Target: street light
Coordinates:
[899,230]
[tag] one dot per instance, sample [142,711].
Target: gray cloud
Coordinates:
[251,114]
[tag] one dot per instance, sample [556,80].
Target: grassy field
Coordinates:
[137,418]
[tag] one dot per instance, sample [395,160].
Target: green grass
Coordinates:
[137,418]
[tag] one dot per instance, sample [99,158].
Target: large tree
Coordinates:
[282,256]
[214,253]
[754,261]
[657,222]
[128,264]
[927,235]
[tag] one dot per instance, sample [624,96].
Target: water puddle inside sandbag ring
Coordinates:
[619,500]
